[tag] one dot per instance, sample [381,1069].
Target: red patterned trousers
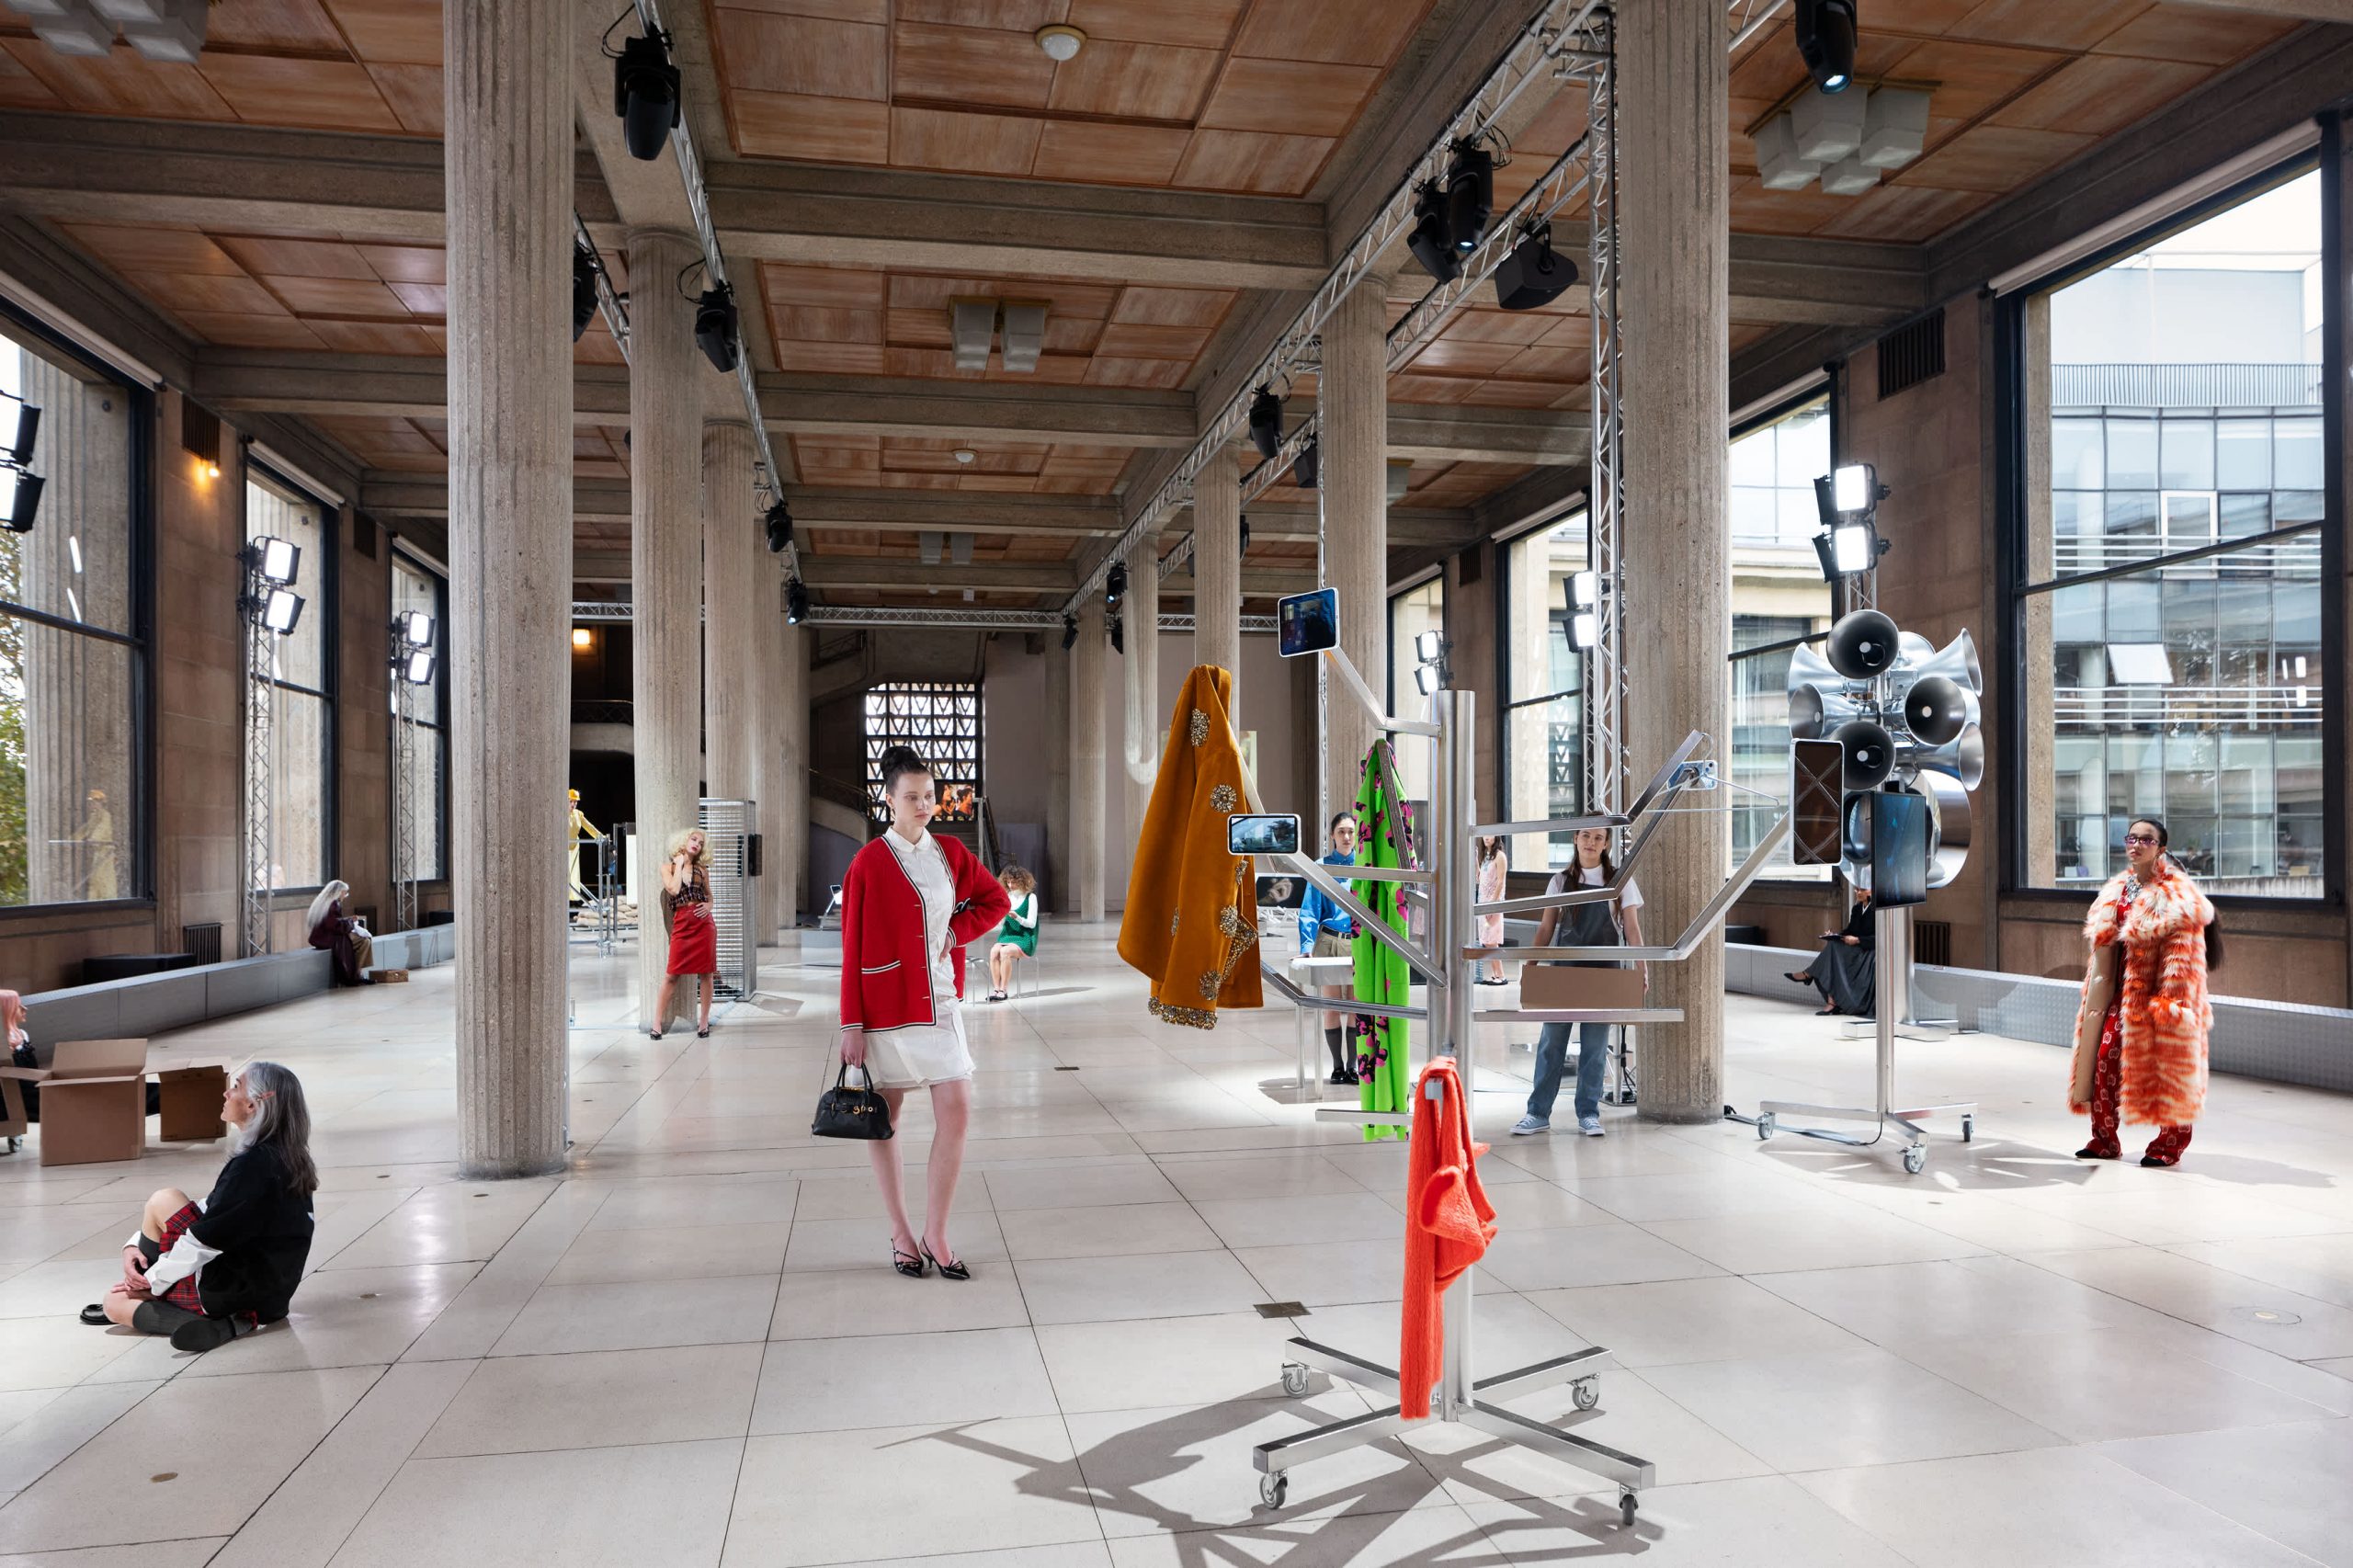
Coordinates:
[2108,1094]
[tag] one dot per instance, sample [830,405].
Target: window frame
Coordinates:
[2014,543]
[439,723]
[1508,702]
[327,601]
[139,457]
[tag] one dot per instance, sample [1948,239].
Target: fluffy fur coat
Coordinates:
[2166,1015]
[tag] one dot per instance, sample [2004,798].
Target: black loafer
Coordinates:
[95,1315]
[205,1334]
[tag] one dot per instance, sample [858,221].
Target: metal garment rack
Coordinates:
[727,829]
[1448,967]
[1893,1000]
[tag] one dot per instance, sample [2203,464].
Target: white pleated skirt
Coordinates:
[924,1054]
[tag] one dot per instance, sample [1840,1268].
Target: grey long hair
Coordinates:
[282,1117]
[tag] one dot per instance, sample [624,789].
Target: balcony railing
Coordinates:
[2184,386]
[2076,708]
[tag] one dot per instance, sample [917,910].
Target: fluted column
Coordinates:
[1140,674]
[1674,221]
[791,867]
[1058,871]
[1089,784]
[1217,566]
[734,572]
[666,574]
[508,167]
[1353,396]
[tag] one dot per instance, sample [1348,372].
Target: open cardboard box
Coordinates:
[93,1101]
[1543,987]
[191,1095]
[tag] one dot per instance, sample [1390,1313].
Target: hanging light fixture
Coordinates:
[19,423]
[1115,585]
[1432,246]
[584,290]
[796,601]
[1534,275]
[778,524]
[1470,196]
[715,322]
[1070,632]
[20,499]
[1826,33]
[645,95]
[1266,422]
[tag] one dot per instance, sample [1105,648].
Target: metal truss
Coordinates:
[1605,686]
[968,619]
[609,304]
[405,898]
[261,776]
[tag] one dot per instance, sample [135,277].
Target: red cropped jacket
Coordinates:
[886,976]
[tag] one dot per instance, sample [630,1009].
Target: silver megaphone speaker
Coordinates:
[1950,825]
[1936,709]
[1816,710]
[1956,661]
[1863,644]
[1961,758]
[1870,753]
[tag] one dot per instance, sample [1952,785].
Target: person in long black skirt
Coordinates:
[1845,971]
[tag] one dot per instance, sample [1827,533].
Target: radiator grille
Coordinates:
[202,941]
[1932,941]
[727,832]
[1913,352]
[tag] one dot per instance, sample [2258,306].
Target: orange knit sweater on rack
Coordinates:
[1448,1223]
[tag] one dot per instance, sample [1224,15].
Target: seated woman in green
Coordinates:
[1018,937]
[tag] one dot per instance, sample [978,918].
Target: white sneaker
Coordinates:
[1527,1126]
[1590,1125]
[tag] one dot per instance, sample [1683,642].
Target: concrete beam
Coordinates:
[1454,433]
[876,574]
[2301,10]
[883,405]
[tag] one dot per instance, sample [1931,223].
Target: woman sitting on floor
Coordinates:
[207,1270]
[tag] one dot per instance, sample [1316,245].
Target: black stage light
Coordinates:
[1534,273]
[1119,637]
[20,499]
[1115,585]
[1266,422]
[715,327]
[779,527]
[1470,196]
[584,291]
[19,423]
[796,601]
[1825,31]
[1245,534]
[1428,242]
[1070,632]
[1305,469]
[645,95]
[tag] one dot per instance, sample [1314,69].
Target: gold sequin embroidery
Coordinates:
[1222,798]
[1198,730]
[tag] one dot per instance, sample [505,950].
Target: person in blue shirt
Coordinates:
[1326,932]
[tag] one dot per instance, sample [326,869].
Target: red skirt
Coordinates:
[181,1292]
[694,940]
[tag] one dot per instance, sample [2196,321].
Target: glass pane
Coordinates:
[2131,452]
[76,564]
[274,512]
[2243,454]
[2186,448]
[68,815]
[1411,613]
[2227,751]
[1546,752]
[297,816]
[1760,756]
[422,776]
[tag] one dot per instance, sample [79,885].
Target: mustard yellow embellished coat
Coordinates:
[1191,922]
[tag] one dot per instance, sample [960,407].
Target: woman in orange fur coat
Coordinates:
[2147,1054]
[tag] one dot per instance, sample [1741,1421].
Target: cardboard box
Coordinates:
[192,1091]
[1546,987]
[388,976]
[13,1124]
[93,1102]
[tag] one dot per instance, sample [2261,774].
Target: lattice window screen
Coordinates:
[942,721]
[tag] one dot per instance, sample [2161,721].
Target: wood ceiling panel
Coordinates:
[2193,35]
[287,257]
[1974,78]
[1475,325]
[122,82]
[1016,16]
[2099,94]
[1173,307]
[835,358]
[1992,158]
[1505,393]
[19,89]
[1406,387]
[411,264]
[840,286]
[969,65]
[2074,26]
[818,323]
[930,290]
[414,94]
[1071,336]
[251,332]
[1340,32]
[154,250]
[971,143]
[1292,98]
[875,11]
[1134,81]
[1163,375]
[337,296]
[423,299]
[1134,340]
[374,337]
[284,25]
[180,292]
[1107,154]
[1249,161]
[804,54]
[267,90]
[818,130]
[390,32]
[1192,23]
[925,328]
[1447,357]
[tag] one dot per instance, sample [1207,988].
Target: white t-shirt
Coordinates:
[1631,899]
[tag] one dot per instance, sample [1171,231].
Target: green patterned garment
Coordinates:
[1384,1054]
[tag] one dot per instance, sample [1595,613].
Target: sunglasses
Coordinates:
[2140,838]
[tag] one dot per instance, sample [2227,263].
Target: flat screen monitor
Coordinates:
[1281,893]
[1899,849]
[1309,622]
[1269,833]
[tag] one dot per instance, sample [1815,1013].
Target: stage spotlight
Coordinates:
[1428,646]
[1534,275]
[1306,467]
[273,560]
[279,610]
[583,639]
[645,95]
[1849,549]
[1115,585]
[1428,679]
[715,327]
[1266,422]
[415,629]
[1585,629]
[1470,196]
[20,499]
[796,601]
[584,291]
[1245,534]
[19,423]
[417,669]
[1070,632]
[1847,493]
[1430,241]
[779,528]
[1825,31]
[1119,637]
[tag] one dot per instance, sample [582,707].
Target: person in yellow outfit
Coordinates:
[579,830]
[98,831]
[1192,916]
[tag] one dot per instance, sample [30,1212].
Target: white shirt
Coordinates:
[926,866]
[1631,899]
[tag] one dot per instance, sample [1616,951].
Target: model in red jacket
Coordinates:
[910,903]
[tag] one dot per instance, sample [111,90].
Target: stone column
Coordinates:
[665,573]
[769,745]
[734,572]
[509,167]
[1058,872]
[792,778]
[1354,397]
[1674,224]
[1140,676]
[1087,784]
[1217,567]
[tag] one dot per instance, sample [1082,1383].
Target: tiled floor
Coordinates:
[691,1349]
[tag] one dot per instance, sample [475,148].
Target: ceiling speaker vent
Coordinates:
[1913,352]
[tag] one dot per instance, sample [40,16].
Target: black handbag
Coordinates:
[844,1112]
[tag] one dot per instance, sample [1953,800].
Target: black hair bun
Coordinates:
[899,761]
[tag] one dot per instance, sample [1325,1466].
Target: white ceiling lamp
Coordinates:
[1895,127]
[1060,42]
[965,455]
[971,323]
[1827,127]
[1848,176]
[1025,335]
[1777,163]
[960,550]
[1401,478]
[927,547]
[69,27]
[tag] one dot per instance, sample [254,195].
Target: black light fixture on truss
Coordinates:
[1470,196]
[778,524]
[19,423]
[584,290]
[1429,242]
[1307,466]
[1266,422]
[645,94]
[1070,632]
[1115,585]
[20,499]
[1534,273]
[796,601]
[1825,32]
[20,488]
[1245,534]
[1119,637]
[715,320]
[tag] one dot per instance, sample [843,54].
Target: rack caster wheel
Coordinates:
[1586,1392]
[1915,1158]
[1968,1128]
[1274,1488]
[1294,1379]
[1765,1126]
[1626,1509]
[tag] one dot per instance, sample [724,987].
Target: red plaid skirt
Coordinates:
[182,1292]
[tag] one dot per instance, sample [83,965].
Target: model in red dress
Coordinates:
[694,942]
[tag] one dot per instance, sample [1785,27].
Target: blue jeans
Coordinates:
[1551,1052]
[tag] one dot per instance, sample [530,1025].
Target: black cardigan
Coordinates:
[1862,923]
[261,1227]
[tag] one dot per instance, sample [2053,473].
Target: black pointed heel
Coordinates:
[907,1263]
[953,1270]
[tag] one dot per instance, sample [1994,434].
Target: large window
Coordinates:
[1417,610]
[941,720]
[72,658]
[423,773]
[301,689]
[2173,406]
[1544,741]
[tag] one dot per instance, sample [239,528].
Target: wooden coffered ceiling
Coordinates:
[994,467]
[1197,94]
